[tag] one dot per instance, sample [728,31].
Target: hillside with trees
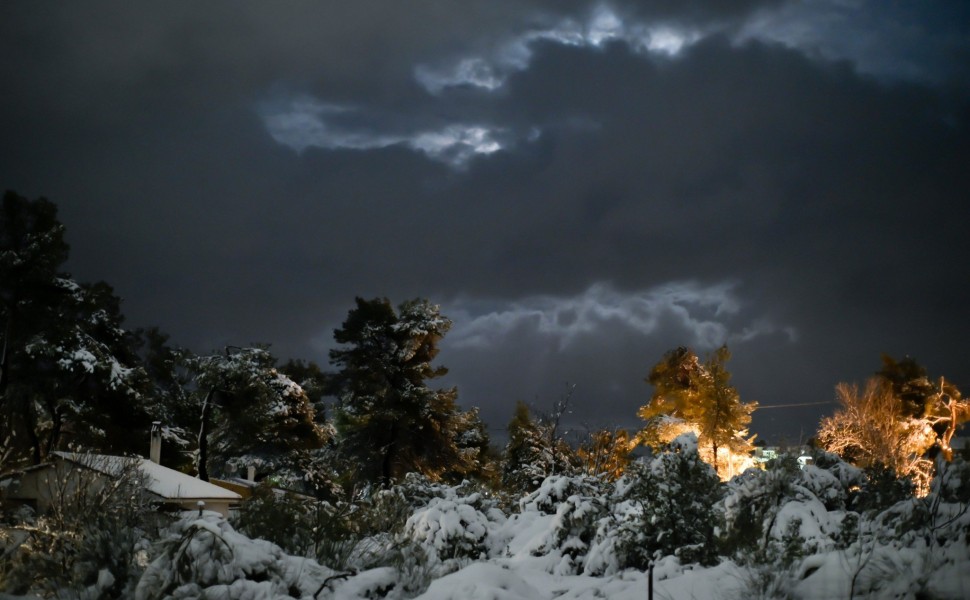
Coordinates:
[369,481]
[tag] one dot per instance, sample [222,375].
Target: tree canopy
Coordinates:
[68,371]
[694,396]
[388,418]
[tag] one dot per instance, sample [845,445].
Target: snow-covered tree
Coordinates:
[532,452]
[68,372]
[388,418]
[90,543]
[670,504]
[937,402]
[251,414]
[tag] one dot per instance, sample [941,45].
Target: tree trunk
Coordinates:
[204,436]
[387,464]
[5,360]
[57,423]
[717,470]
[30,425]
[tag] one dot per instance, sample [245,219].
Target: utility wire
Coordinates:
[793,405]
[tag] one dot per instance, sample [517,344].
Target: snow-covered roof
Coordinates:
[161,481]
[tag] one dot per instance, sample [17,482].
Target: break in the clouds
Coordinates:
[603,25]
[896,42]
[705,316]
[304,122]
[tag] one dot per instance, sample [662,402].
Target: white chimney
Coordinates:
[155,451]
[251,473]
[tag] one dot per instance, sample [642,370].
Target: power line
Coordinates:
[793,405]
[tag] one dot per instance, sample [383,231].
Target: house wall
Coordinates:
[55,483]
[61,481]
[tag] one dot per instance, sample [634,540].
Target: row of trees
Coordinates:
[71,375]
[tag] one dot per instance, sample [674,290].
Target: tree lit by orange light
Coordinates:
[879,425]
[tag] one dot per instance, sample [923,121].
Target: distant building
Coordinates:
[36,486]
[763,454]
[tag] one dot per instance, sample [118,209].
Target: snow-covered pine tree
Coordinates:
[674,496]
[66,365]
[251,414]
[532,453]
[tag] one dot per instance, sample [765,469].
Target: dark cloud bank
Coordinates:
[580,188]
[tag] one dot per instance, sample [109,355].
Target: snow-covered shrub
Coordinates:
[206,558]
[880,489]
[556,489]
[449,528]
[751,506]
[666,507]
[380,511]
[563,514]
[768,513]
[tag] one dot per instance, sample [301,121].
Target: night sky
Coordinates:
[580,186]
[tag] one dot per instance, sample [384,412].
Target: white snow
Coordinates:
[162,481]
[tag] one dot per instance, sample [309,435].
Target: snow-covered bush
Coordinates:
[277,517]
[556,489]
[450,528]
[785,512]
[666,507]
[562,517]
[206,558]
[880,489]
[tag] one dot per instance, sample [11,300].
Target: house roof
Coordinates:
[161,481]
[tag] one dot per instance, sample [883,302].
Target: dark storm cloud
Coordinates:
[239,174]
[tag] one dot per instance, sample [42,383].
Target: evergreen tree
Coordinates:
[314,382]
[388,419]
[478,459]
[170,395]
[251,414]
[694,396]
[68,372]
[533,452]
[909,382]
[677,493]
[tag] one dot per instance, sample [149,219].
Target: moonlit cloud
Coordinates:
[304,122]
[706,314]
[500,160]
[897,41]
[604,25]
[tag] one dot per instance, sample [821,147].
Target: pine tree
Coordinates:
[533,452]
[67,369]
[388,419]
[251,414]
[677,493]
[694,396]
